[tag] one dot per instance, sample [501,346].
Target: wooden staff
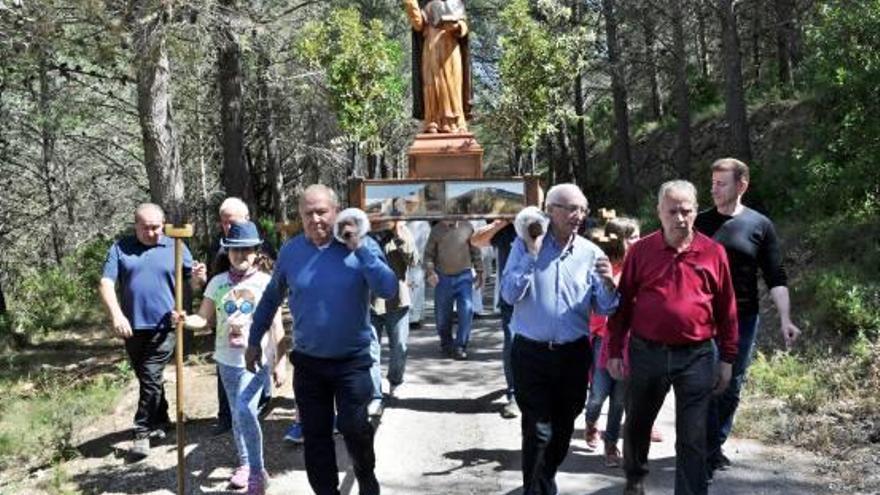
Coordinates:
[178,233]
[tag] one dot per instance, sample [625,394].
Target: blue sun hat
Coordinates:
[241,235]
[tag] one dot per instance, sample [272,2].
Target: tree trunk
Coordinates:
[581,169]
[734,95]
[161,158]
[267,128]
[563,162]
[702,42]
[680,89]
[622,153]
[784,40]
[236,175]
[552,162]
[47,157]
[756,36]
[649,29]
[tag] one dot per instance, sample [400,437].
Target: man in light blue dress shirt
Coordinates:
[553,283]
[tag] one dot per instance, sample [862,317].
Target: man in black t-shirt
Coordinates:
[751,244]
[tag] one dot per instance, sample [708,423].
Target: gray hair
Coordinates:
[234,205]
[145,207]
[561,189]
[320,189]
[681,186]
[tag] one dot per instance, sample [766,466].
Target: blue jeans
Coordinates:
[690,371]
[602,388]
[458,290]
[243,389]
[320,384]
[506,315]
[723,407]
[396,324]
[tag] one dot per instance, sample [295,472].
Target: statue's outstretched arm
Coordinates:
[414,13]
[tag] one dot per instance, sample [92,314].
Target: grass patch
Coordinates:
[788,378]
[38,419]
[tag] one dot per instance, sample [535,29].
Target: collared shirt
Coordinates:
[553,294]
[146,280]
[329,296]
[676,298]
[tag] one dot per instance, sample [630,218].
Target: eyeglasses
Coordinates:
[246,307]
[572,208]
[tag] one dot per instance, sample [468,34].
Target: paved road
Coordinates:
[442,435]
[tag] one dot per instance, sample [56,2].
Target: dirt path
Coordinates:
[442,435]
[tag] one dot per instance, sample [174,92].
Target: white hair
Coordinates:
[233,205]
[320,189]
[145,207]
[681,186]
[563,189]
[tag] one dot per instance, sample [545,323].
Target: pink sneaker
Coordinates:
[257,483]
[239,478]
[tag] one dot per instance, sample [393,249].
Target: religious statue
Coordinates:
[441,65]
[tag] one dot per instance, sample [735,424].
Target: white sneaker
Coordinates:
[375,408]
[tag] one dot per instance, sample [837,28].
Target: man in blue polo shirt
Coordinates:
[143,266]
[328,284]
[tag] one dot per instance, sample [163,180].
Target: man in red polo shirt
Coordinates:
[676,302]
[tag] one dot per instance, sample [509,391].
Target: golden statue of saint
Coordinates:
[441,65]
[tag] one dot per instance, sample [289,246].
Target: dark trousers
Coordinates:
[690,371]
[506,315]
[551,387]
[319,384]
[148,353]
[723,407]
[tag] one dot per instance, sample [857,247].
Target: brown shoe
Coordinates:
[634,487]
[591,436]
[612,455]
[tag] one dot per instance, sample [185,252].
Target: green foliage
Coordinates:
[845,303]
[58,296]
[362,70]
[785,376]
[537,68]
[39,428]
[844,71]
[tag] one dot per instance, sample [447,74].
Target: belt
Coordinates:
[653,344]
[550,345]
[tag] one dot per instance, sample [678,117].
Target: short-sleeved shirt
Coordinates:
[146,280]
[248,292]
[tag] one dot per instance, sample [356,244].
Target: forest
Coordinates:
[108,103]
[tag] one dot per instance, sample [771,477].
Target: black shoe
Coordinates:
[634,487]
[447,351]
[415,325]
[459,354]
[219,429]
[158,434]
[722,462]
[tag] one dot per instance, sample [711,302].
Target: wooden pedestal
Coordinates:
[447,156]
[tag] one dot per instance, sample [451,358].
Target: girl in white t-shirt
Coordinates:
[230,300]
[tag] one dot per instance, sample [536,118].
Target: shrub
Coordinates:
[792,379]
